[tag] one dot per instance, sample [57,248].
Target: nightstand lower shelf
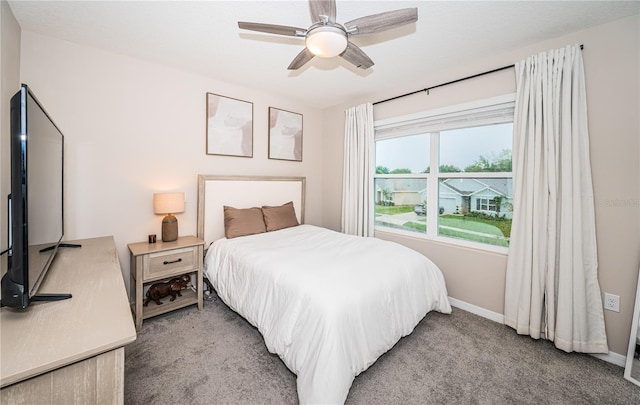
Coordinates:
[189,297]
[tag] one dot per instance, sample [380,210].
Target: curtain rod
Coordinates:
[448,83]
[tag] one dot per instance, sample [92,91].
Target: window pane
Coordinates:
[409,154]
[401,203]
[477,149]
[476,209]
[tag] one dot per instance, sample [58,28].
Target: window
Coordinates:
[447,173]
[484,204]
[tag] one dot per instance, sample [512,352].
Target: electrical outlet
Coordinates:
[612,302]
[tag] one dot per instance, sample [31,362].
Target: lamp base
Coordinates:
[169,228]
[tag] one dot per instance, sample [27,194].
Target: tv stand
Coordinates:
[64,245]
[49,297]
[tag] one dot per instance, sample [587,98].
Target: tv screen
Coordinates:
[36,217]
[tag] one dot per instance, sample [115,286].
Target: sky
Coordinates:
[459,147]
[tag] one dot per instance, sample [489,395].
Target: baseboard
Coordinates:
[474,309]
[611,357]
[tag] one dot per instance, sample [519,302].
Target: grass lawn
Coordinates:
[396,209]
[487,226]
[469,224]
[462,224]
[416,226]
[474,238]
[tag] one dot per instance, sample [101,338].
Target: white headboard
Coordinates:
[214,192]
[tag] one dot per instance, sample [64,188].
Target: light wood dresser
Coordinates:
[70,351]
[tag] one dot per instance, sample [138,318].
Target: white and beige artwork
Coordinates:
[229,126]
[285,135]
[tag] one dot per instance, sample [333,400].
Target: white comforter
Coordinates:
[327,303]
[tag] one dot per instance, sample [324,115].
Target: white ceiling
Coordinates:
[203,37]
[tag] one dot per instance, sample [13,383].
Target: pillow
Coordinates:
[242,221]
[283,216]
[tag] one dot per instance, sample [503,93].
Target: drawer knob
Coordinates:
[172,261]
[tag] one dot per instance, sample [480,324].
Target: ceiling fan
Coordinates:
[326,38]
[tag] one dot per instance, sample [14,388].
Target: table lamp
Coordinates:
[169,204]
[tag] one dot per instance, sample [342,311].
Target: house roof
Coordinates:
[502,186]
[401,184]
[462,186]
[467,186]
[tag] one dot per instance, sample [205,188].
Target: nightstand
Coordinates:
[161,261]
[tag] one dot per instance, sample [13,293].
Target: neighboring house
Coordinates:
[477,195]
[400,191]
[474,194]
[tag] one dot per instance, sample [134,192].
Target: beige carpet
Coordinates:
[214,356]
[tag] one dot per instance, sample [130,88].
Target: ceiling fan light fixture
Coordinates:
[326,41]
[326,38]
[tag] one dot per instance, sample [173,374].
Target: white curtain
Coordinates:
[552,281]
[357,194]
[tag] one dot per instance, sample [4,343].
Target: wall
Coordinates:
[612,65]
[10,74]
[133,128]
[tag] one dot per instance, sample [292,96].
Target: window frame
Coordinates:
[488,111]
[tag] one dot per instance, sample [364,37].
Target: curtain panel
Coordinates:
[357,182]
[552,282]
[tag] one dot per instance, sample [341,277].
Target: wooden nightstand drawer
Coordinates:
[164,264]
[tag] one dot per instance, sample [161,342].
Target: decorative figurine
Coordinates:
[171,287]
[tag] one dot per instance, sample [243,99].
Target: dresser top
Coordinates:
[50,335]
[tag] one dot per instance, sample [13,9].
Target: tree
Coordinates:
[382,170]
[386,195]
[400,171]
[498,201]
[495,163]
[449,169]
[480,165]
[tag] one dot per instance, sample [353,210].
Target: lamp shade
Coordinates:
[168,203]
[326,41]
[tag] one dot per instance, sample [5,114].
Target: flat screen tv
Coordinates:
[36,213]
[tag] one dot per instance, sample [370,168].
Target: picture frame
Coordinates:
[285,135]
[229,126]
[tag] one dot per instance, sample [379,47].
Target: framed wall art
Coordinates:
[285,135]
[229,126]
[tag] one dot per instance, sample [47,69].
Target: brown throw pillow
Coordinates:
[283,216]
[243,221]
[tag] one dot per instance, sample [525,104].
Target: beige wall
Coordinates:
[10,74]
[133,128]
[612,69]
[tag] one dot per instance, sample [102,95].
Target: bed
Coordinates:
[327,303]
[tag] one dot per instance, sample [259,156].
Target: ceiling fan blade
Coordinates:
[322,7]
[357,57]
[382,22]
[273,29]
[302,58]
